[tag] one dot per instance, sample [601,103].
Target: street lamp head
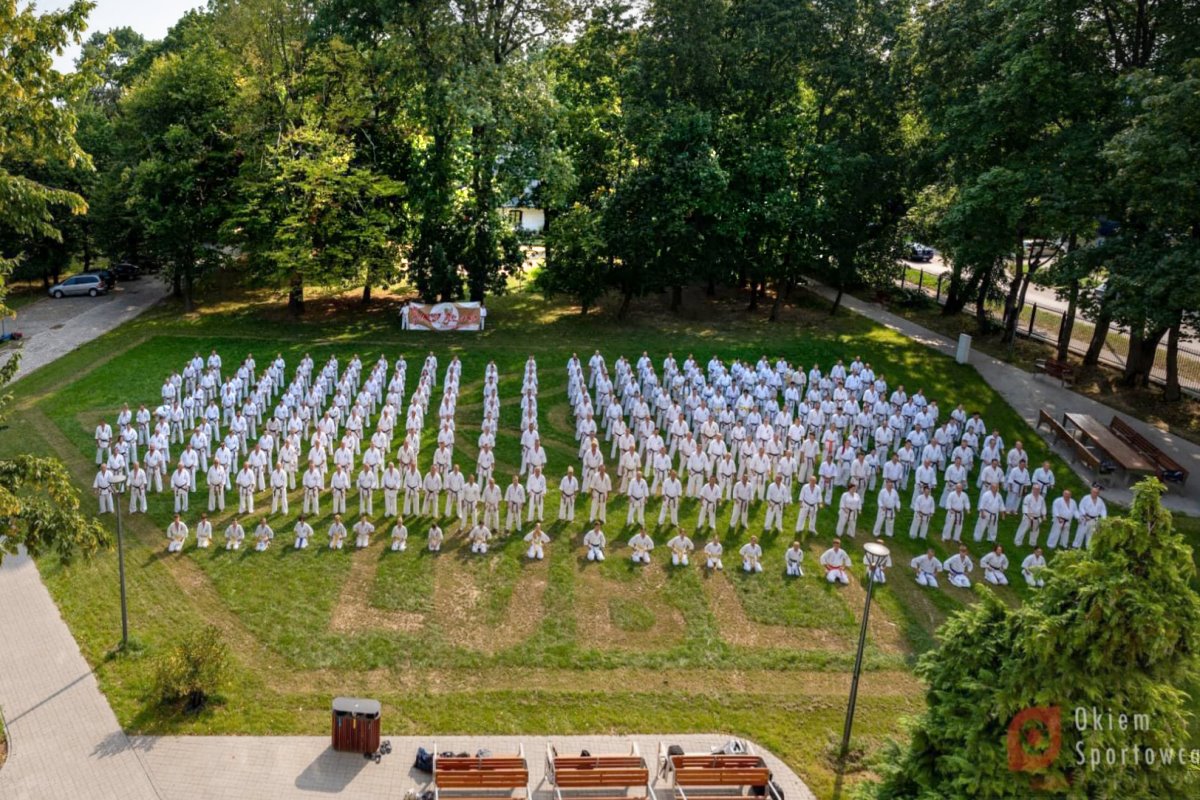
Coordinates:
[876,554]
[117,479]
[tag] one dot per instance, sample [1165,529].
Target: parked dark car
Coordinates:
[915,251]
[126,271]
[106,276]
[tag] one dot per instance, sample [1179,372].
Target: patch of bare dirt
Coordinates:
[593,623]
[353,614]
[458,600]
[738,629]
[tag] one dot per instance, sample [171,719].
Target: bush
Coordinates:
[194,670]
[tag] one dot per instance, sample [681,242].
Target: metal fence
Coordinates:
[1044,324]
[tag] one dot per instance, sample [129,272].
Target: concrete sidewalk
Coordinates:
[63,739]
[188,767]
[1027,395]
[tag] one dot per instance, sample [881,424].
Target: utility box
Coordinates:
[356,725]
[964,349]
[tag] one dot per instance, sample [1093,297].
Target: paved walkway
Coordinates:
[186,767]
[53,328]
[63,739]
[1027,394]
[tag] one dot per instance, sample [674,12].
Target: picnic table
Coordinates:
[1091,431]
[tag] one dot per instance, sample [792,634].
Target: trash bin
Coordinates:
[355,725]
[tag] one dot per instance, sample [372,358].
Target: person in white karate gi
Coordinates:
[1033,511]
[204,532]
[681,547]
[778,497]
[246,483]
[889,506]
[177,533]
[672,492]
[303,532]
[235,534]
[595,542]
[568,491]
[836,563]
[641,544]
[102,485]
[1032,566]
[1062,513]
[137,489]
[263,534]
[849,507]
[991,510]
[751,553]
[927,567]
[959,567]
[710,497]
[399,536]
[538,539]
[599,486]
[337,533]
[994,565]
[811,502]
[434,538]
[1091,511]
[792,559]
[743,493]
[712,554]
[958,505]
[362,532]
[637,492]
[479,536]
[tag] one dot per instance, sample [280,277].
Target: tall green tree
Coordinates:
[180,187]
[1117,627]
[39,505]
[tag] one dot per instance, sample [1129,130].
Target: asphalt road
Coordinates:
[52,328]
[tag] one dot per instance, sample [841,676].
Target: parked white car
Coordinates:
[91,285]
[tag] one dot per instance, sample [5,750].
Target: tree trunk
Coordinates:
[1142,350]
[189,300]
[956,295]
[1068,322]
[176,284]
[1016,294]
[296,295]
[837,301]
[711,289]
[626,299]
[676,297]
[981,318]
[755,287]
[584,307]
[85,229]
[1099,336]
[780,291]
[1173,392]
[366,293]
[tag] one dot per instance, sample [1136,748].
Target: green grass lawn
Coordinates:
[456,643]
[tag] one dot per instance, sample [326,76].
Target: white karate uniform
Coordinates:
[1033,511]
[1063,513]
[595,542]
[889,506]
[642,545]
[994,564]
[849,507]
[751,557]
[958,568]
[958,505]
[927,568]
[792,559]
[836,563]
[1091,511]
[1031,568]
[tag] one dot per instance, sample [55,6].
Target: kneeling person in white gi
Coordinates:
[537,539]
[958,567]
[642,545]
[927,567]
[751,554]
[680,546]
[994,564]
[792,559]
[595,541]
[836,561]
[176,534]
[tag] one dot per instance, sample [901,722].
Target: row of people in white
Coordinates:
[959,566]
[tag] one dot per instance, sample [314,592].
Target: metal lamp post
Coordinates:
[875,557]
[117,481]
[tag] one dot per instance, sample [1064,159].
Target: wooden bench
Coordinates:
[721,782]
[480,777]
[1055,427]
[719,776]
[1060,370]
[1167,469]
[599,776]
